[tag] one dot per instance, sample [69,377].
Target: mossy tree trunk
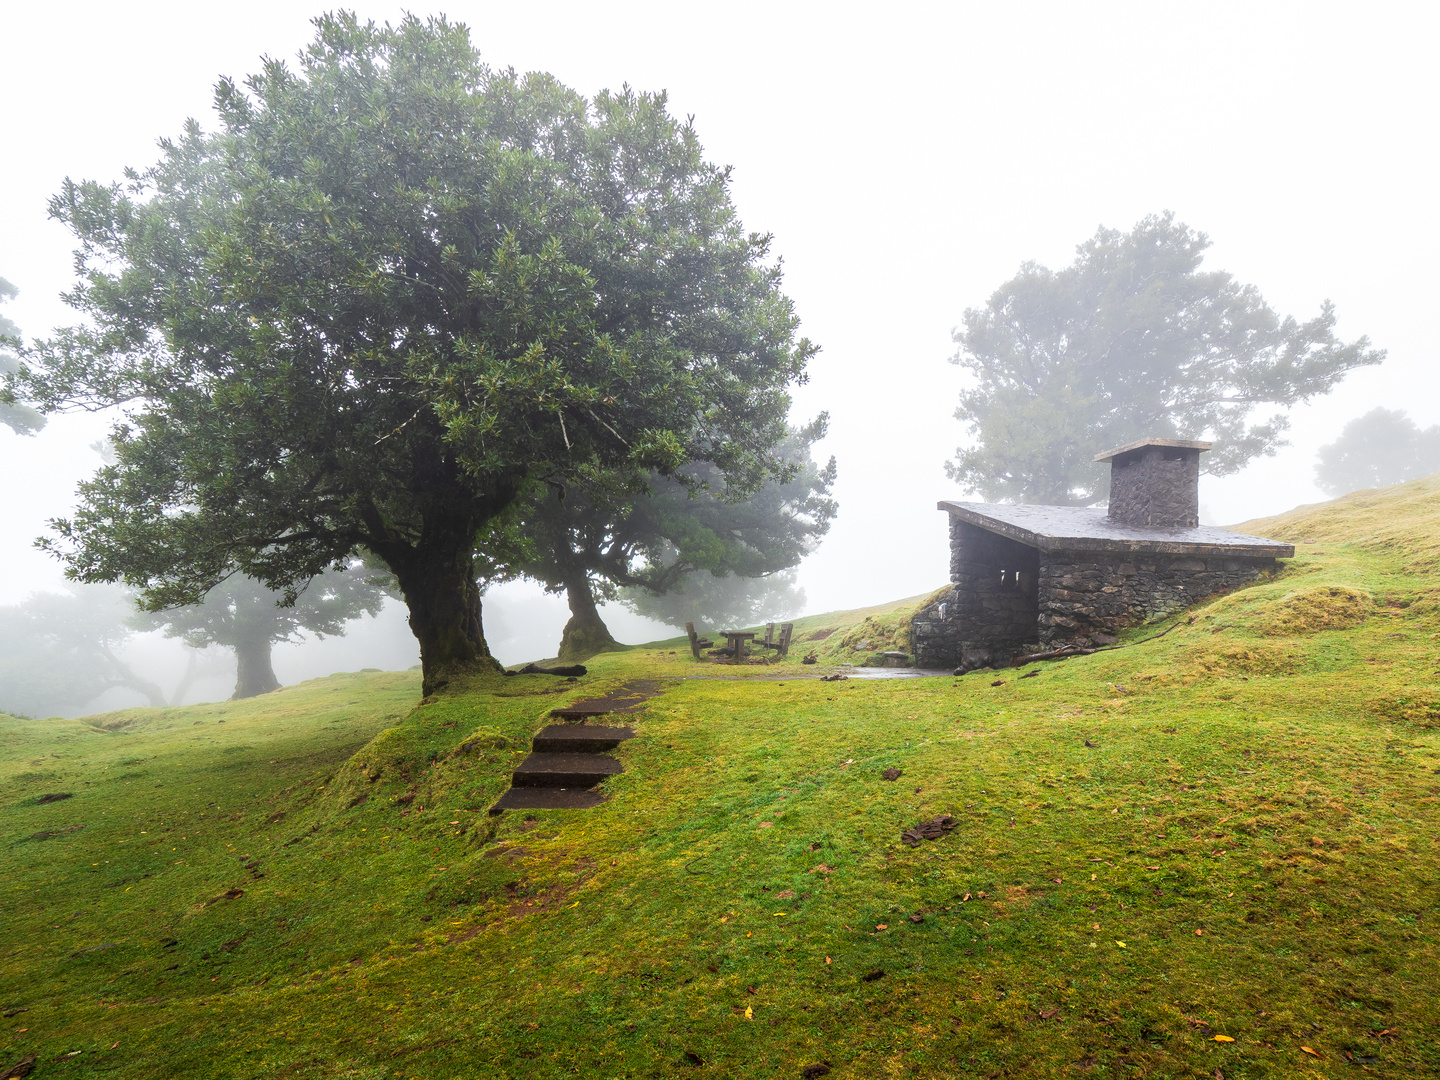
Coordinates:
[437,579]
[586,633]
[254,674]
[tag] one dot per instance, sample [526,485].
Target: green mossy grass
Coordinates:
[1246,849]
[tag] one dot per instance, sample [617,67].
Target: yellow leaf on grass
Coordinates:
[749,1013]
[1223,1038]
[1122,944]
[1312,1052]
[781,913]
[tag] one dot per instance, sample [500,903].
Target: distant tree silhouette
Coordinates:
[1130,340]
[58,650]
[243,615]
[1382,447]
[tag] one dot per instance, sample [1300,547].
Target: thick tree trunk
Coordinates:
[586,633]
[254,675]
[438,582]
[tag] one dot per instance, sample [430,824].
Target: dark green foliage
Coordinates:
[393,291]
[1382,447]
[1131,340]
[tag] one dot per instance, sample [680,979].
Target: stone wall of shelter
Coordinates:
[993,602]
[1156,487]
[1082,592]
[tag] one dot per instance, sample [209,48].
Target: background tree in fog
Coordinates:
[591,541]
[241,614]
[18,418]
[394,290]
[59,650]
[1382,447]
[1130,340]
[720,603]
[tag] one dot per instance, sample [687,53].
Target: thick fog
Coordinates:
[908,158]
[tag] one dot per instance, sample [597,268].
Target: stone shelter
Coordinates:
[1030,577]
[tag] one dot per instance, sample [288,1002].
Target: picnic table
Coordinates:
[735,643]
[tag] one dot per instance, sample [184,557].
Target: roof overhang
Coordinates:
[1085,528]
[1182,444]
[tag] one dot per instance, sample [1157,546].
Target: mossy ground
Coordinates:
[1248,849]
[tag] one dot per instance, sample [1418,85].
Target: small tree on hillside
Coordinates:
[1131,340]
[392,292]
[1382,447]
[591,542]
[243,615]
[18,418]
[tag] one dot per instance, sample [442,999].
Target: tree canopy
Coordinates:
[1131,340]
[243,615]
[591,541]
[390,293]
[1382,447]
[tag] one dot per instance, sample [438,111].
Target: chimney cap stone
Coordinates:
[1138,443]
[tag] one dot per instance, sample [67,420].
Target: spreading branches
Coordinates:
[1132,340]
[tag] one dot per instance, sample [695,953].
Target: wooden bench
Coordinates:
[696,641]
[781,647]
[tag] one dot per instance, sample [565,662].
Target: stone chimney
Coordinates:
[1155,483]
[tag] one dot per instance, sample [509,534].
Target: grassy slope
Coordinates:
[1265,775]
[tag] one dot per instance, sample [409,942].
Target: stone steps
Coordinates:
[580,738]
[567,760]
[541,798]
[565,770]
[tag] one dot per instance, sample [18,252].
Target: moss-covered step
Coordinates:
[547,798]
[580,738]
[565,770]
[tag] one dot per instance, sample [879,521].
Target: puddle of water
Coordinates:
[893,673]
[850,672]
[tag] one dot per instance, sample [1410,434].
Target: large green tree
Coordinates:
[241,614]
[592,541]
[1382,447]
[1133,339]
[393,290]
[18,418]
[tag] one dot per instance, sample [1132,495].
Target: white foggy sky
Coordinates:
[907,158]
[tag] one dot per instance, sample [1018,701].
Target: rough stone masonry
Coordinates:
[1045,576]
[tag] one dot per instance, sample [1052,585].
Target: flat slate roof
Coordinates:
[1183,444]
[1088,528]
